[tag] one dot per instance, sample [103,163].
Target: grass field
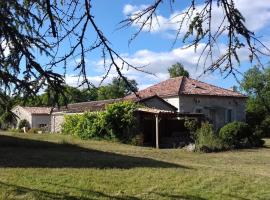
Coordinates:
[61,167]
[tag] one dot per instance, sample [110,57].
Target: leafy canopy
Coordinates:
[256,83]
[117,89]
[177,70]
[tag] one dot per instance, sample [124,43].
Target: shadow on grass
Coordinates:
[20,192]
[21,152]
[179,196]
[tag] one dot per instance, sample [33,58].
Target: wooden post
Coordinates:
[157,132]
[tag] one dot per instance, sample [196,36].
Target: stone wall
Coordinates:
[215,107]
[173,101]
[157,103]
[57,120]
[22,114]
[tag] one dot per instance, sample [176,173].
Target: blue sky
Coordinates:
[154,49]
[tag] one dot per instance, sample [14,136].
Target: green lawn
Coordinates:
[61,167]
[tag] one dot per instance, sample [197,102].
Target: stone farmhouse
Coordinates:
[38,117]
[219,105]
[166,105]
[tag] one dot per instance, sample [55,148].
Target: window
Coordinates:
[229,115]
[42,125]
[198,110]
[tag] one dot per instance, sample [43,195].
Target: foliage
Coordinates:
[69,95]
[239,135]
[117,89]
[6,119]
[265,127]
[114,122]
[90,125]
[70,124]
[119,118]
[177,70]
[256,83]
[192,125]
[207,140]
[23,123]
[85,126]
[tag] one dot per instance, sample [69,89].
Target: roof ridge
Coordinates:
[104,100]
[216,86]
[36,106]
[182,80]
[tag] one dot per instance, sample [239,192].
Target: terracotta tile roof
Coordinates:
[38,110]
[186,86]
[166,88]
[195,87]
[87,106]
[101,104]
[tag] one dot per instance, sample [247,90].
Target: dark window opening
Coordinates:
[229,115]
[42,125]
[198,110]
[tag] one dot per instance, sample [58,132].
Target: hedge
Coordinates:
[113,123]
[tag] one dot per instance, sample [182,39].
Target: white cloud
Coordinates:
[155,62]
[131,9]
[75,80]
[256,13]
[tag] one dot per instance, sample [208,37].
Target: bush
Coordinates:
[207,140]
[70,123]
[239,135]
[192,125]
[265,127]
[119,119]
[23,123]
[90,125]
[113,123]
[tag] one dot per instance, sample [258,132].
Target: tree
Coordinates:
[256,83]
[7,118]
[29,27]
[177,70]
[69,95]
[117,89]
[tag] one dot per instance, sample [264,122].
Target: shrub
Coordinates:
[70,124]
[118,118]
[23,123]
[265,127]
[192,125]
[239,135]
[113,123]
[90,125]
[207,140]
